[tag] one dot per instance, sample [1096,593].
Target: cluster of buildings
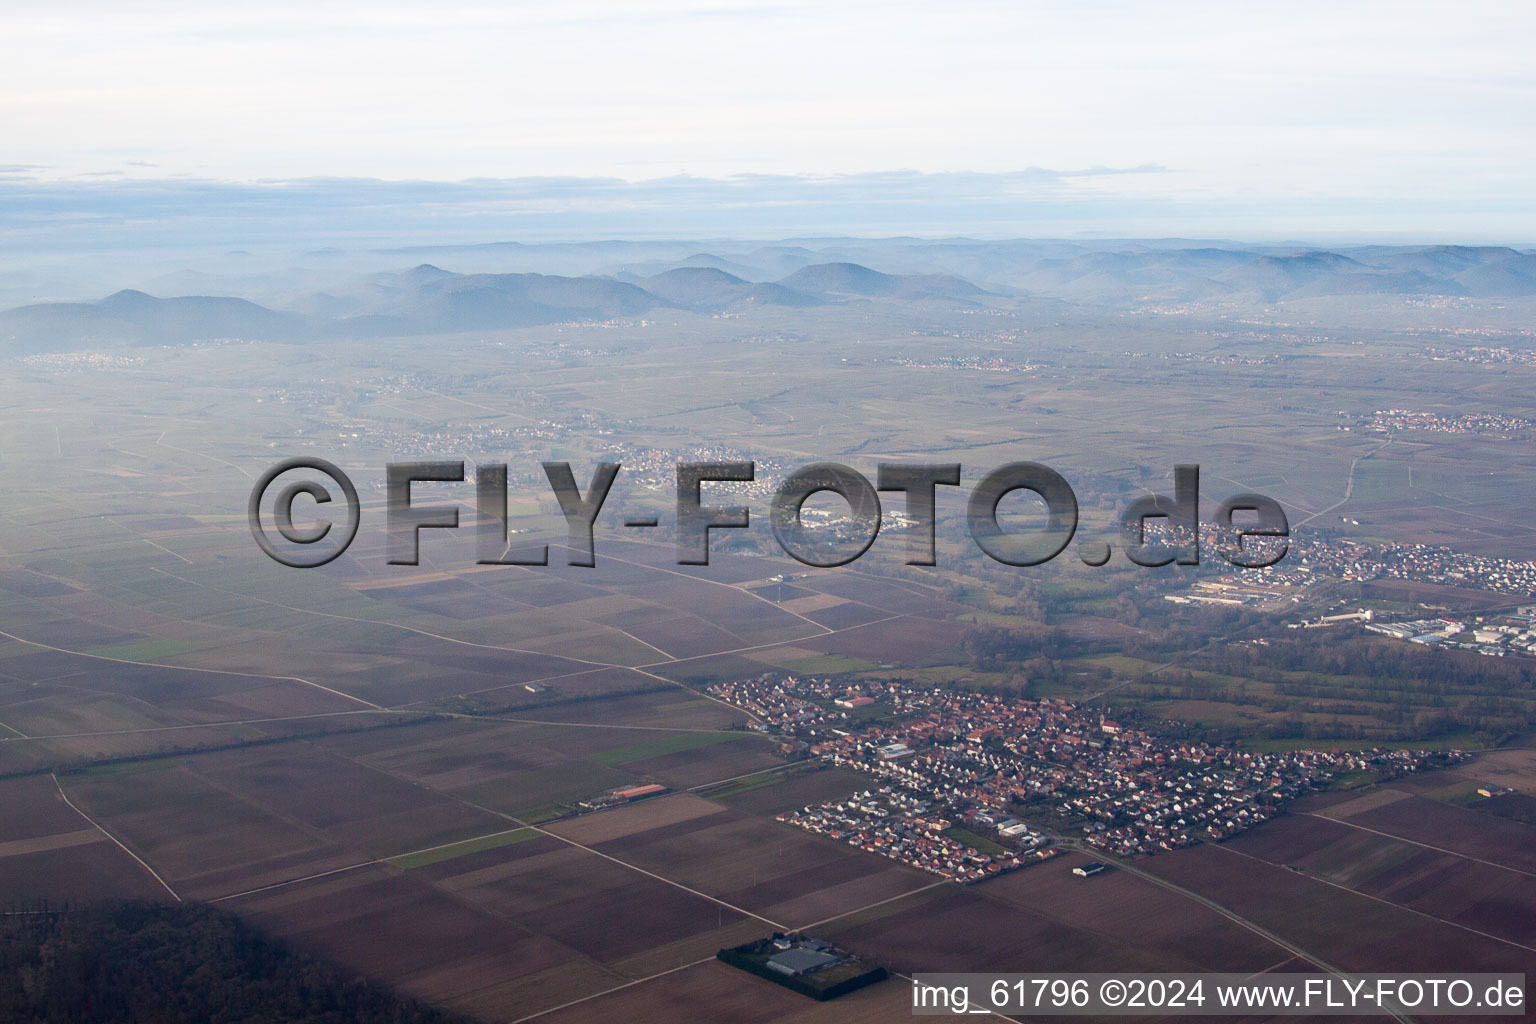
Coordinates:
[623,795]
[1488,354]
[1496,424]
[1495,635]
[1422,631]
[773,338]
[1005,336]
[899,824]
[655,469]
[1424,563]
[1324,621]
[1194,792]
[991,363]
[987,764]
[442,441]
[803,964]
[335,420]
[73,361]
[797,957]
[1213,358]
[1247,589]
[1310,559]
[566,354]
[611,324]
[782,706]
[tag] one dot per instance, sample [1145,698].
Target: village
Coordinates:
[1311,559]
[1489,424]
[971,784]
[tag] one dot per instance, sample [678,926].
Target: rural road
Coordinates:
[1224,911]
[1349,487]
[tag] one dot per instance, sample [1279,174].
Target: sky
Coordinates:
[1211,119]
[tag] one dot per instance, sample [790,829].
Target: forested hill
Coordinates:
[145,963]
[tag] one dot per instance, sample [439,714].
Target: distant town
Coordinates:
[1494,424]
[1311,558]
[992,363]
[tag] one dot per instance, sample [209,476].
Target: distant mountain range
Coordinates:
[734,277]
[1248,276]
[133,318]
[430,300]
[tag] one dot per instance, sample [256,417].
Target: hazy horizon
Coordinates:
[102,221]
[169,124]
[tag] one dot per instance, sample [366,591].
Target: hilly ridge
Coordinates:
[708,287]
[852,279]
[427,299]
[130,318]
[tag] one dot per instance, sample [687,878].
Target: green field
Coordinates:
[976,842]
[656,748]
[747,785]
[144,650]
[468,846]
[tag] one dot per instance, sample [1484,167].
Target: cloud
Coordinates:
[1322,98]
[226,212]
[92,215]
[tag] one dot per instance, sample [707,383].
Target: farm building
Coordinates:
[798,961]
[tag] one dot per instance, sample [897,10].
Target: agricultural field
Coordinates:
[1482,897]
[396,767]
[1330,923]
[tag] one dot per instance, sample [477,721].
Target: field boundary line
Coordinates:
[139,536]
[1415,842]
[503,686]
[609,991]
[202,455]
[200,725]
[1387,902]
[360,865]
[707,959]
[97,825]
[392,625]
[1271,967]
[877,903]
[601,725]
[1237,919]
[786,766]
[306,878]
[189,668]
[729,586]
[1349,488]
[471,839]
[660,878]
[504,816]
[776,643]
